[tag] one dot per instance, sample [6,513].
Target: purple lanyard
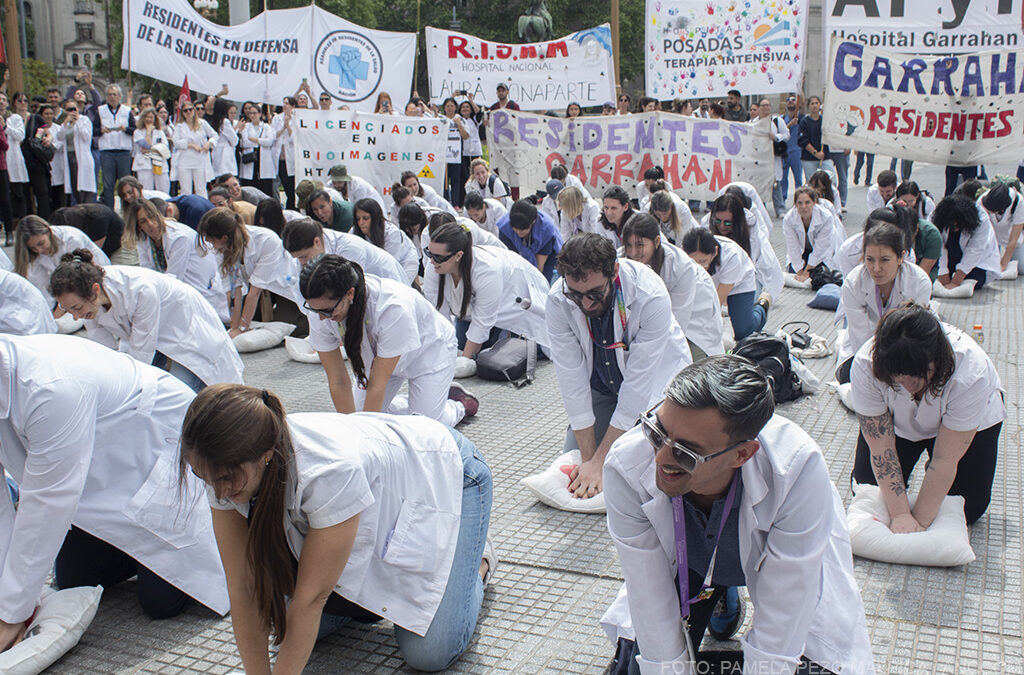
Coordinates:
[679,519]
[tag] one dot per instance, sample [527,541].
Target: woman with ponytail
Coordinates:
[392,335]
[153,317]
[492,289]
[391,524]
[250,257]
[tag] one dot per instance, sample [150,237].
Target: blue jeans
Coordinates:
[842,163]
[180,372]
[869,157]
[812,165]
[746,316]
[779,195]
[114,164]
[791,164]
[1020,173]
[455,620]
[604,407]
[462,326]
[906,167]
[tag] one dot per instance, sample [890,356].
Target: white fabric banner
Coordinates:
[550,75]
[267,57]
[698,48]
[959,110]
[929,27]
[699,156]
[377,148]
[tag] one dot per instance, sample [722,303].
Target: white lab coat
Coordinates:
[16,169]
[141,161]
[734,267]
[392,211]
[81,138]
[643,193]
[794,550]
[152,312]
[491,190]
[767,270]
[980,249]
[779,132]
[859,303]
[756,203]
[694,299]
[851,253]
[588,221]
[185,263]
[373,260]
[68,239]
[874,199]
[822,232]
[223,154]
[399,321]
[5,262]
[24,310]
[284,145]
[264,145]
[683,213]
[91,437]
[57,170]
[657,347]
[493,212]
[359,188]
[435,200]
[403,476]
[499,277]
[971,400]
[401,248]
[265,264]
[1012,216]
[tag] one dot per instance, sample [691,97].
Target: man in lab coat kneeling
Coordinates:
[713,478]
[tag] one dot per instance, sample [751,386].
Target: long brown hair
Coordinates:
[30,226]
[226,426]
[219,222]
[456,237]
[132,235]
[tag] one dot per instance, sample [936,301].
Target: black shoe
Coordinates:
[765,301]
[727,615]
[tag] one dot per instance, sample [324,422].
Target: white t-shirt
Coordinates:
[453,153]
[1013,215]
[972,399]
[734,267]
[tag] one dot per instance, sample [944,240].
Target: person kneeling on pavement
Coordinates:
[714,490]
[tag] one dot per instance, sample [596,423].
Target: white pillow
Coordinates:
[67,324]
[300,350]
[845,393]
[964,290]
[551,486]
[946,542]
[1010,272]
[464,367]
[262,336]
[789,279]
[58,625]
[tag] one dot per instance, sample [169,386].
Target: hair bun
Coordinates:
[82,255]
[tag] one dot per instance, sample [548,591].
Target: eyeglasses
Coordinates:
[594,295]
[687,459]
[325,313]
[325,98]
[437,257]
[721,223]
[187,109]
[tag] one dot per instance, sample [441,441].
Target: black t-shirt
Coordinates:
[98,221]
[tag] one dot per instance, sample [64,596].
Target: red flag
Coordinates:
[183,96]
[3,49]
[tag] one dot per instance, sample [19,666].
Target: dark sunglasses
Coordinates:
[187,109]
[594,295]
[687,459]
[71,109]
[325,98]
[325,313]
[437,257]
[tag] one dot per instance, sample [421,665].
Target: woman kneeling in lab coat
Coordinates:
[90,436]
[313,533]
[695,301]
[389,326]
[492,289]
[152,316]
[38,247]
[371,226]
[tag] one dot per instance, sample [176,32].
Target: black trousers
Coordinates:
[6,212]
[974,473]
[955,172]
[39,180]
[708,661]
[85,560]
[288,183]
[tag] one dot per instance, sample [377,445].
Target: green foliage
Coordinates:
[38,77]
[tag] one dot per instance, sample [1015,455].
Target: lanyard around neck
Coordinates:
[622,318]
[679,520]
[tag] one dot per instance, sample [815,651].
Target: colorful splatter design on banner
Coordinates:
[696,48]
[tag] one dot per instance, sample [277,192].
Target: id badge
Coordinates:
[705,594]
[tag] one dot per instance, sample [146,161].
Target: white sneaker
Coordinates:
[491,558]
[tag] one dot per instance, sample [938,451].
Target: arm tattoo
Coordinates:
[887,468]
[876,427]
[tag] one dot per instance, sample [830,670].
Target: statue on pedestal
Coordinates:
[535,25]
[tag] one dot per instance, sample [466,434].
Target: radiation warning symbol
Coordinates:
[425,172]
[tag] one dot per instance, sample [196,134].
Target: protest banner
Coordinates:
[699,156]
[959,110]
[377,148]
[269,56]
[698,48]
[934,27]
[576,68]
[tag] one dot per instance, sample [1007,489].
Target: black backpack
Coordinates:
[772,354]
[490,185]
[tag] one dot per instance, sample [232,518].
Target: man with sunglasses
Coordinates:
[716,486]
[791,161]
[615,344]
[325,101]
